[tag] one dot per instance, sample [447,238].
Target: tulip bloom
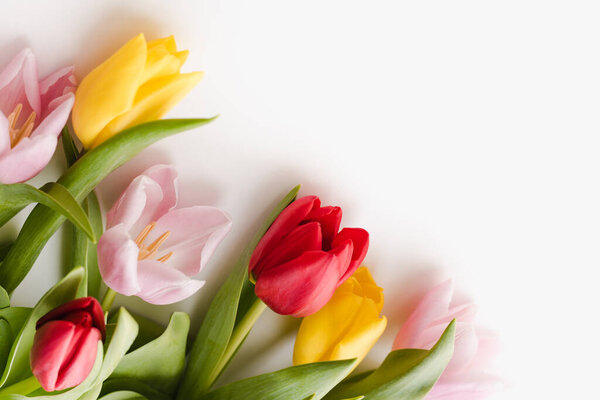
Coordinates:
[139,83]
[347,327]
[302,258]
[32,115]
[150,248]
[66,342]
[464,377]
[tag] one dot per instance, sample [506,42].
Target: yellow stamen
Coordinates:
[165,257]
[17,134]
[151,250]
[144,234]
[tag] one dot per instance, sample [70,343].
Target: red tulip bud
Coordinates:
[66,342]
[303,258]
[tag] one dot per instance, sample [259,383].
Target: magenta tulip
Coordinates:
[303,258]
[66,342]
[152,249]
[466,377]
[32,115]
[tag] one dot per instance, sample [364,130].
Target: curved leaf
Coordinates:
[206,360]
[123,395]
[307,381]
[407,374]
[15,197]
[4,299]
[117,385]
[80,180]
[149,364]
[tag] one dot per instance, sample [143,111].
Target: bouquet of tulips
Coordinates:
[73,344]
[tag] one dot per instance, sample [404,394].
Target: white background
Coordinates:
[461,134]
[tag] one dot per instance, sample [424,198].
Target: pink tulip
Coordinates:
[66,342]
[32,115]
[465,377]
[150,248]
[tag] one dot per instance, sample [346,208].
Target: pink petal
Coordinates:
[4,135]
[19,84]
[432,307]
[27,159]
[166,177]
[467,387]
[55,86]
[195,233]
[129,210]
[302,286]
[117,260]
[56,120]
[160,284]
[287,220]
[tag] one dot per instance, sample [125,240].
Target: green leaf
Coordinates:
[209,353]
[17,367]
[15,197]
[4,299]
[123,395]
[133,385]
[80,180]
[149,330]
[4,248]
[69,147]
[120,340]
[160,363]
[407,374]
[294,383]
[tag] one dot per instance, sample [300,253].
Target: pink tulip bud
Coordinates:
[303,258]
[65,343]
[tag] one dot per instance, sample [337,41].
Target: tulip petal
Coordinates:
[432,307]
[160,284]
[51,345]
[360,241]
[54,87]
[137,205]
[27,159]
[467,387]
[329,218]
[287,220]
[302,286]
[88,305]
[465,345]
[19,85]
[4,135]
[153,100]
[303,238]
[163,59]
[109,90]
[117,260]
[166,177]
[195,233]
[83,352]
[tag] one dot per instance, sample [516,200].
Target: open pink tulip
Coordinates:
[465,377]
[32,115]
[150,248]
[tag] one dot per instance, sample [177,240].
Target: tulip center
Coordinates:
[150,251]
[18,134]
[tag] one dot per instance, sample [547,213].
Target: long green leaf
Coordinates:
[15,197]
[80,180]
[123,395]
[295,383]
[133,385]
[17,367]
[160,363]
[206,357]
[4,299]
[407,374]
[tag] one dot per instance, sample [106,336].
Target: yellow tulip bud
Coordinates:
[139,83]
[347,327]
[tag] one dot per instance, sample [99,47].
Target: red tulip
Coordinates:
[303,258]
[65,343]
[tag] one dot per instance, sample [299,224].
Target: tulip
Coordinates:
[465,377]
[150,248]
[66,342]
[347,327]
[32,115]
[139,83]
[302,258]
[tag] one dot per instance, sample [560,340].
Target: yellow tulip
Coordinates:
[347,327]
[139,83]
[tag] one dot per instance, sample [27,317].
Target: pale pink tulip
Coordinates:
[152,249]
[32,115]
[466,377]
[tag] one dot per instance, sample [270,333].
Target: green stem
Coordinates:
[23,387]
[108,299]
[241,330]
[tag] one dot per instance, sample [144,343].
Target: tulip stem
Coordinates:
[23,387]
[240,331]
[108,299]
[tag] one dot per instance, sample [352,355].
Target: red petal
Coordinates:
[360,240]
[287,220]
[51,345]
[81,358]
[302,286]
[330,219]
[85,304]
[303,238]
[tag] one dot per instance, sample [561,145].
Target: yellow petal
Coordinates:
[163,59]
[166,42]
[154,99]
[109,90]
